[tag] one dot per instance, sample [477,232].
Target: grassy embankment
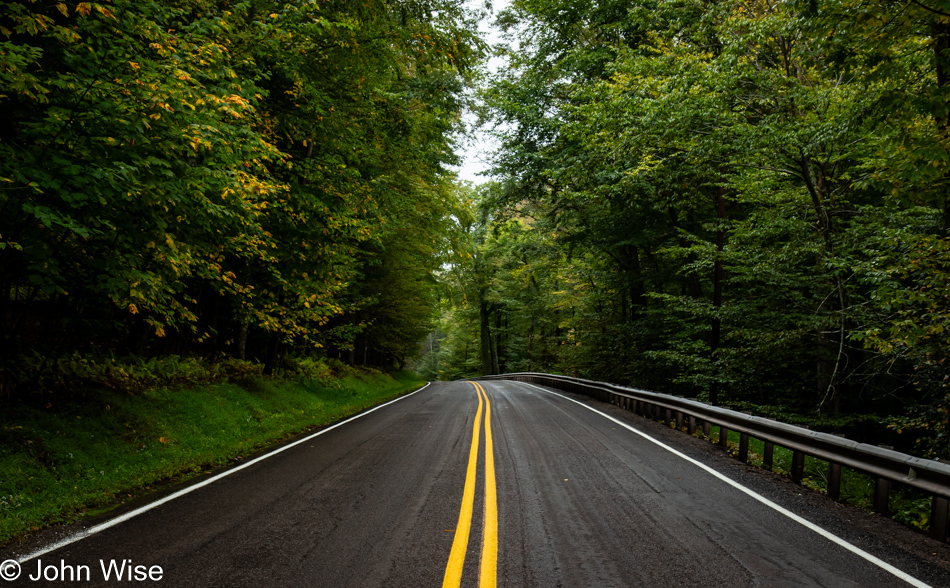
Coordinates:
[63,457]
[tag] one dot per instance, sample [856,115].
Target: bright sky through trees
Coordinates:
[477,149]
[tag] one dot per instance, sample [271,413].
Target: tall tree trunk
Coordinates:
[833,358]
[940,31]
[531,341]
[485,337]
[715,335]
[242,341]
[692,287]
[270,362]
[496,336]
[638,299]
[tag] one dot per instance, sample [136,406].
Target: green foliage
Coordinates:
[929,426]
[211,175]
[132,375]
[744,202]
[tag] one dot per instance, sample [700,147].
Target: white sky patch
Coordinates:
[476,150]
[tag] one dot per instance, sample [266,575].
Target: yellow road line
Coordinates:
[488,573]
[488,565]
[453,571]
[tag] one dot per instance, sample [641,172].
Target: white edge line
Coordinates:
[134,513]
[806,523]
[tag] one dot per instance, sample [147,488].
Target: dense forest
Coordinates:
[215,178]
[743,200]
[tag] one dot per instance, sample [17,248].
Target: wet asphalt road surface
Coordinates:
[582,502]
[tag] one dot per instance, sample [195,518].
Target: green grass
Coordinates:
[67,456]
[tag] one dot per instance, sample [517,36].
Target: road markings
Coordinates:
[488,572]
[488,564]
[134,513]
[453,571]
[753,494]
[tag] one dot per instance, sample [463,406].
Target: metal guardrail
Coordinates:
[884,464]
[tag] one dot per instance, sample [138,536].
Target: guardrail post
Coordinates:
[882,491]
[767,454]
[668,416]
[798,466]
[938,517]
[834,477]
[743,447]
[679,420]
[723,436]
[882,494]
[707,429]
[691,424]
[834,480]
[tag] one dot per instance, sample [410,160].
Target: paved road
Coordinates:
[581,502]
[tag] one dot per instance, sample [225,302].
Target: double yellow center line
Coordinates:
[488,565]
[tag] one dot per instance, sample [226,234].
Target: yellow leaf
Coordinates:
[63,8]
[104,11]
[83,8]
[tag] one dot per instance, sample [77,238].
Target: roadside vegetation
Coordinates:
[741,201]
[906,505]
[66,455]
[205,177]
[210,212]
